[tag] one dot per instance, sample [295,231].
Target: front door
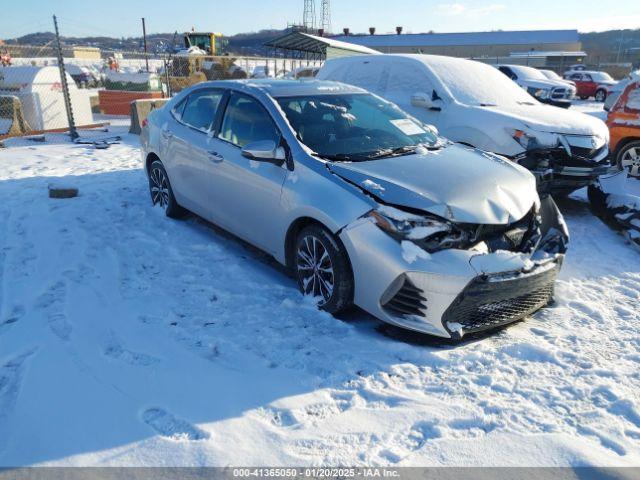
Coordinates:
[246,193]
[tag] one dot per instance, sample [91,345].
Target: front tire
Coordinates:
[628,158]
[322,269]
[161,191]
[601,95]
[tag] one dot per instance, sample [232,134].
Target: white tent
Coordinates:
[40,92]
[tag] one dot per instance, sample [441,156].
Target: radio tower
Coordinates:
[309,16]
[325,21]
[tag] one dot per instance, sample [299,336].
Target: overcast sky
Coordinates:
[119,18]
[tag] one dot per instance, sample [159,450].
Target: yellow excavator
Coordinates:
[190,66]
[214,44]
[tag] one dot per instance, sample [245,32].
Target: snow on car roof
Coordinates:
[287,88]
[472,82]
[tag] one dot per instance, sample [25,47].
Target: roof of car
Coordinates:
[287,88]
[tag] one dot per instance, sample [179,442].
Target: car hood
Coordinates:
[458,183]
[549,119]
[544,84]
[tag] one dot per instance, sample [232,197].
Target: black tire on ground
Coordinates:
[583,97]
[311,267]
[601,95]
[161,191]
[629,157]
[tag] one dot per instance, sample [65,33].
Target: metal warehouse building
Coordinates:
[475,44]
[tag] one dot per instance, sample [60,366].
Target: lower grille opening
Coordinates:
[409,300]
[489,302]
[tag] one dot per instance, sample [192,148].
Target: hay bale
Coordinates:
[140,110]
[11,109]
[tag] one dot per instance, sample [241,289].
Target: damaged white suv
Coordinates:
[366,205]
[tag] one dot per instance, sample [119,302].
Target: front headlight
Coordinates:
[429,232]
[539,93]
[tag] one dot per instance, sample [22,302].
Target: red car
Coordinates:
[591,84]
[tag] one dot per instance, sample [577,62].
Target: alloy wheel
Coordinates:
[631,161]
[600,96]
[159,187]
[315,269]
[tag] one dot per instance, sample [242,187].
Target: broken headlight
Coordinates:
[526,140]
[539,93]
[427,231]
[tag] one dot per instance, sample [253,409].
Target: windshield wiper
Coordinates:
[338,157]
[393,152]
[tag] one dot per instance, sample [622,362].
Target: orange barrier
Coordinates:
[118,102]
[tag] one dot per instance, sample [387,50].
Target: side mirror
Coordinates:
[265,151]
[424,100]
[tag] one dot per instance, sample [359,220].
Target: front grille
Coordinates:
[560,93]
[493,300]
[587,152]
[408,300]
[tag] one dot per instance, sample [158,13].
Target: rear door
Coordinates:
[244,193]
[192,163]
[581,87]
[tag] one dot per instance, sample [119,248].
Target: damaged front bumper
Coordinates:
[453,292]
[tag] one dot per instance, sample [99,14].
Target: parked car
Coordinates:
[365,204]
[624,124]
[473,103]
[592,84]
[554,92]
[575,68]
[81,75]
[551,75]
[615,90]
[302,72]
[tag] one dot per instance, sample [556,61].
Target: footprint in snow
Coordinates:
[116,351]
[172,427]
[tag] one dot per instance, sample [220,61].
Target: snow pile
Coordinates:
[127,338]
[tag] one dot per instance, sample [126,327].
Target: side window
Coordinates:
[633,99]
[178,109]
[509,73]
[201,107]
[246,121]
[587,78]
[576,76]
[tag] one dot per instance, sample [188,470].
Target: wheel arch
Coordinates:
[623,143]
[292,233]
[151,157]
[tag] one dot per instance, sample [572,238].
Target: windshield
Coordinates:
[475,83]
[601,77]
[529,72]
[551,75]
[354,127]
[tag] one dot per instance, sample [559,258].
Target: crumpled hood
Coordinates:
[458,183]
[549,119]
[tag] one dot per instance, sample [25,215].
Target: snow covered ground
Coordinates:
[127,338]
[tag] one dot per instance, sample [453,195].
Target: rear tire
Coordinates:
[322,269]
[583,97]
[161,191]
[628,158]
[601,95]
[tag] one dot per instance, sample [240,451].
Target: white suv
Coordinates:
[473,103]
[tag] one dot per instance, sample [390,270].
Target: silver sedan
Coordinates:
[366,205]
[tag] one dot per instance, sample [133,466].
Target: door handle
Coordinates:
[215,157]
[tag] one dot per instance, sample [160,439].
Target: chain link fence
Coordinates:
[102,83]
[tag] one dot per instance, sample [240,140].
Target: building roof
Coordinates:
[304,42]
[463,39]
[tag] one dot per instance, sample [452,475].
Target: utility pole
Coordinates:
[144,39]
[620,46]
[65,86]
